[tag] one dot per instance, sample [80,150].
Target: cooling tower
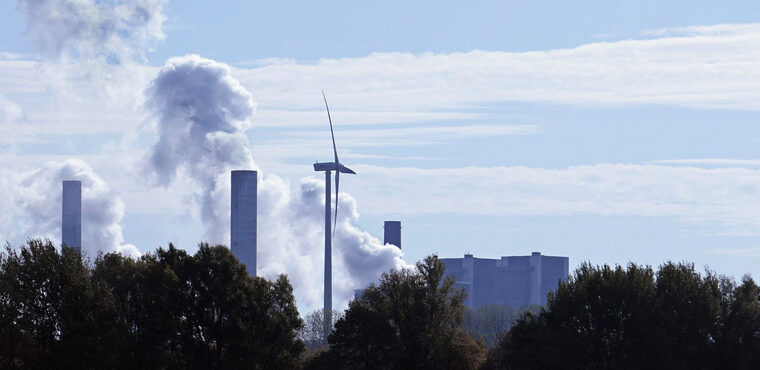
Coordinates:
[71,217]
[243,218]
[392,233]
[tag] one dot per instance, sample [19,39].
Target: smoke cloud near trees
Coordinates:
[35,206]
[201,113]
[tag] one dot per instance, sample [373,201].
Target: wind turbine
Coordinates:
[328,167]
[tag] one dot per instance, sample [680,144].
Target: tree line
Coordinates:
[164,310]
[170,310]
[637,318]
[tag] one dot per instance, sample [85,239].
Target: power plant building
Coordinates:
[71,215]
[514,281]
[243,218]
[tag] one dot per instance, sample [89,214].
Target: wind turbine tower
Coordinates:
[328,168]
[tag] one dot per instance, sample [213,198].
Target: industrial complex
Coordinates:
[513,281]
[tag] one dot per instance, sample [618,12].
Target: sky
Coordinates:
[608,132]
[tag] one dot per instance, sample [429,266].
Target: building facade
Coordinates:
[514,281]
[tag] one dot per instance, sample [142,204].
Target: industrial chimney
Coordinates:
[392,233]
[243,218]
[71,217]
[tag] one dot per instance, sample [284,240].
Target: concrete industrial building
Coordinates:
[514,281]
[244,186]
[71,215]
[392,233]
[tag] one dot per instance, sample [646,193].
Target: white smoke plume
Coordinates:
[291,240]
[36,207]
[202,113]
[113,30]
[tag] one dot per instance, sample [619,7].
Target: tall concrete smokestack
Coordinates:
[243,218]
[71,217]
[392,233]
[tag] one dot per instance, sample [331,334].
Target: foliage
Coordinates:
[490,322]
[410,320]
[173,310]
[634,318]
[313,332]
[163,310]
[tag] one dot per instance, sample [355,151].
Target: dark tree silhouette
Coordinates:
[616,318]
[164,310]
[410,320]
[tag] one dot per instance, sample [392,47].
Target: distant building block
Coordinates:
[513,281]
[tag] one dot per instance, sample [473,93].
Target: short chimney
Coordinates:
[71,217]
[392,233]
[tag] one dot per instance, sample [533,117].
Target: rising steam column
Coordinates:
[71,217]
[243,218]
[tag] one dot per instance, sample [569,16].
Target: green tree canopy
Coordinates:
[634,318]
[167,309]
[410,320]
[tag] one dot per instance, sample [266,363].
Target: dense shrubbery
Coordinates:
[172,310]
[489,323]
[163,310]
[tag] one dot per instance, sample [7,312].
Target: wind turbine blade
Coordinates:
[337,186]
[335,150]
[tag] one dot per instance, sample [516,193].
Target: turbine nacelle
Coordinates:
[332,166]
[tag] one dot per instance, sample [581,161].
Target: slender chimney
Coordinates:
[71,217]
[243,218]
[392,233]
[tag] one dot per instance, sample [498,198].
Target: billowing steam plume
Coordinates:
[37,203]
[202,113]
[82,29]
[96,35]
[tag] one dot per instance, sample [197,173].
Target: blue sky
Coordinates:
[604,131]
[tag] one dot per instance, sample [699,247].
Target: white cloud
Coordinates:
[298,118]
[721,162]
[14,125]
[710,67]
[727,197]
[752,252]
[705,30]
[414,135]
